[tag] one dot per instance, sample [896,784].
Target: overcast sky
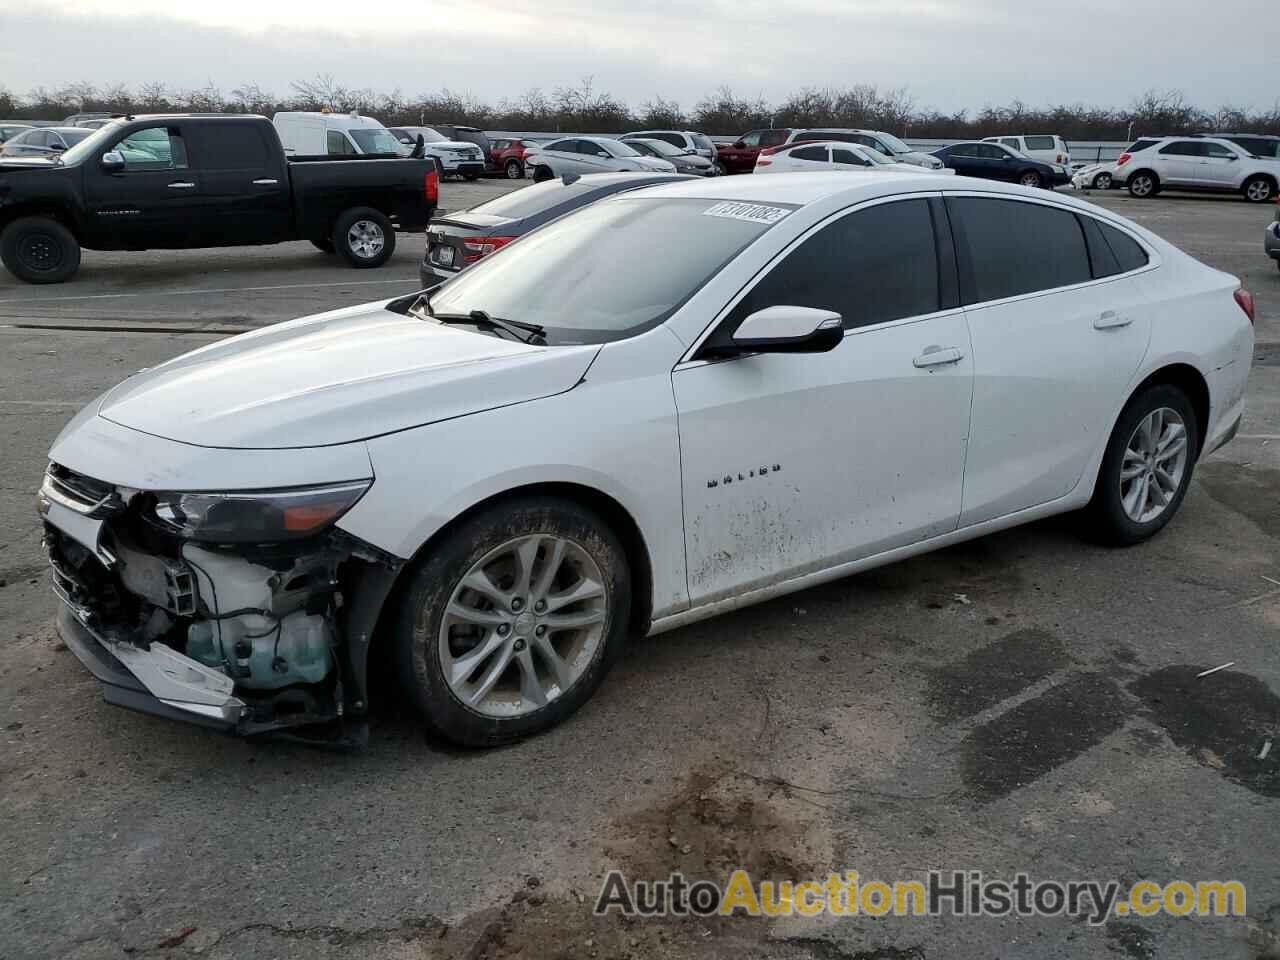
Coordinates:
[950,54]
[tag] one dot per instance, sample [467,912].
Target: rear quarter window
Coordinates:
[1041,143]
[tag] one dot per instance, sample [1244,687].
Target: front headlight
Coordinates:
[256,516]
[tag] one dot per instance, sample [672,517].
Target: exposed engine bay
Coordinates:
[258,636]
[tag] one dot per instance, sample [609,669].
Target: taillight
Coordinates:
[1059,158]
[1124,158]
[1245,299]
[763,161]
[431,185]
[476,249]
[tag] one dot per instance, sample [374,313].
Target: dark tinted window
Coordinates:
[810,153]
[1258,146]
[565,146]
[752,139]
[1101,257]
[848,156]
[964,150]
[1182,148]
[1129,252]
[773,138]
[1140,145]
[871,266]
[1008,247]
[337,144]
[990,151]
[827,135]
[1041,143]
[675,139]
[229,146]
[1217,150]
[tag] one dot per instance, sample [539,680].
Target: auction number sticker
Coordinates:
[751,212]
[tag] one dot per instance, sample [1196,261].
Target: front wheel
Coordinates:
[1102,181]
[719,168]
[1030,179]
[1147,466]
[541,174]
[511,623]
[1259,190]
[514,170]
[364,237]
[39,250]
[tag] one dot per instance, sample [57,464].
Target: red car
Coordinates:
[508,157]
[740,157]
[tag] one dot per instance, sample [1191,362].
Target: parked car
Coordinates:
[515,471]
[1096,176]
[100,122]
[43,141]
[455,241]
[306,133]
[740,156]
[589,155]
[461,133]
[1047,148]
[687,141]
[1198,164]
[457,157]
[1258,144]
[1271,239]
[886,144]
[509,154]
[8,130]
[995,161]
[78,119]
[180,182]
[684,162]
[828,155]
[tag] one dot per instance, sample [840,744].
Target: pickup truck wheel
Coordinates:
[511,622]
[324,246]
[39,250]
[364,237]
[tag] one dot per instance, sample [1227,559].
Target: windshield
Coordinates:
[89,143]
[375,141]
[893,143]
[74,136]
[663,149]
[617,148]
[581,277]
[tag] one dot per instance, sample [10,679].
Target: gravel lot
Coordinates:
[1023,702]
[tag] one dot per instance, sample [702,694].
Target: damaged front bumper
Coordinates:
[285,651]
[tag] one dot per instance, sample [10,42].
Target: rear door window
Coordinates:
[773,138]
[1182,148]
[229,146]
[1007,248]
[871,266]
[810,153]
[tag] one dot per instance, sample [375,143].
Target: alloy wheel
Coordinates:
[513,171]
[1102,181]
[365,239]
[1142,186]
[1259,191]
[1030,179]
[523,625]
[1153,465]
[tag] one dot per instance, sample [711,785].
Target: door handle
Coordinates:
[265,182]
[1109,319]
[938,356]
[182,185]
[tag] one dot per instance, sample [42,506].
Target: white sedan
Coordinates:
[811,156]
[667,405]
[580,155]
[1096,176]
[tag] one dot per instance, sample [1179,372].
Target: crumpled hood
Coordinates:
[335,378]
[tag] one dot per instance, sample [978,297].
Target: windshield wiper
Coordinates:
[530,333]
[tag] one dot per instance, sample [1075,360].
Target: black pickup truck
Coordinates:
[186,181]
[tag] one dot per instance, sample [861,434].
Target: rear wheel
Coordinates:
[1102,181]
[719,169]
[1259,189]
[1029,178]
[510,624]
[1147,466]
[39,250]
[364,237]
[514,169]
[542,173]
[1143,184]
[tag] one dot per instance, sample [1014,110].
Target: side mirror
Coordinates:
[739,145]
[603,153]
[786,329]
[57,147]
[112,161]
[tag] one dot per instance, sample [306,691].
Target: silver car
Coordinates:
[683,161]
[583,155]
[884,143]
[43,141]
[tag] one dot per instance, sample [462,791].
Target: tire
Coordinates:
[542,173]
[1143,184]
[1102,181]
[490,703]
[1114,499]
[719,168]
[39,250]
[1259,189]
[324,246]
[364,237]
[514,170]
[1029,178]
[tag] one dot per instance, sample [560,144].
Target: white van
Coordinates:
[310,134]
[1046,148]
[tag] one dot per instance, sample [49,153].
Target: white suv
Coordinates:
[1198,163]
[1047,148]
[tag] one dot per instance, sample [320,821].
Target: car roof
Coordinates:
[802,189]
[67,129]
